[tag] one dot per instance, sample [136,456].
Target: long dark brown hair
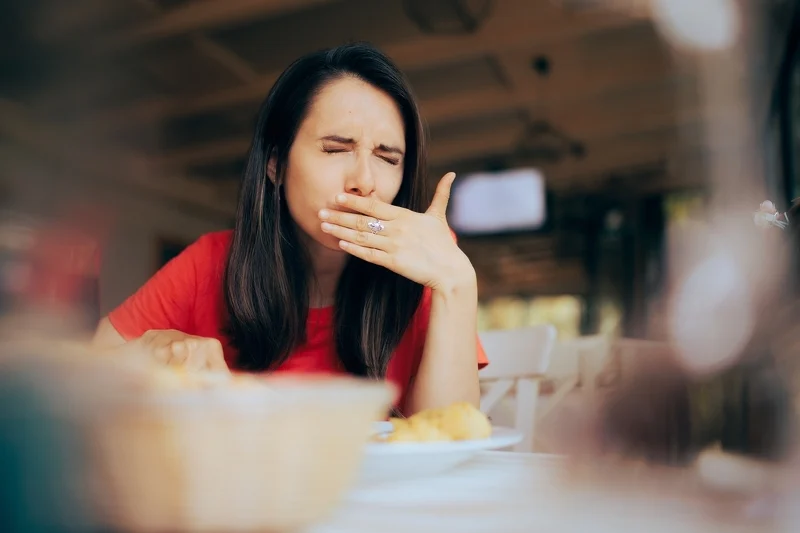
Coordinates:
[268,272]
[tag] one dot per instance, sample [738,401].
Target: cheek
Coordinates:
[388,187]
[310,186]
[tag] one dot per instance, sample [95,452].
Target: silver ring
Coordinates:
[376,226]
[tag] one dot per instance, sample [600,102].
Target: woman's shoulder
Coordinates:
[207,258]
[209,254]
[208,249]
[215,241]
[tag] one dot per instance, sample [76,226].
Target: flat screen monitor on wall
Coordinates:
[488,203]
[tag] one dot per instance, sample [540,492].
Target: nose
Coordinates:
[360,181]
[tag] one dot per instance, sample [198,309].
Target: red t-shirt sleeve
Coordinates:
[167,300]
[482,359]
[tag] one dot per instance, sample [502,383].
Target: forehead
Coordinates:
[353,108]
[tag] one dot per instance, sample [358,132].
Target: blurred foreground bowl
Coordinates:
[276,455]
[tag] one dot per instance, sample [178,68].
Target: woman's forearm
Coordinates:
[448,372]
[106,336]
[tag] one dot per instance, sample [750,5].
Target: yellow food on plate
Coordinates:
[416,430]
[459,421]
[462,421]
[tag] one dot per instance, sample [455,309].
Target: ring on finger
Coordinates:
[376,226]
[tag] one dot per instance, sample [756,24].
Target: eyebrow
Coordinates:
[347,140]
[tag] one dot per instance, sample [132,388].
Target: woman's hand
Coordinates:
[418,246]
[768,216]
[767,207]
[171,347]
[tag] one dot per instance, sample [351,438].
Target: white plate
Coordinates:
[394,461]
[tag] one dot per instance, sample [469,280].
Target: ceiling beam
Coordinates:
[202,15]
[619,77]
[614,158]
[609,157]
[224,57]
[205,154]
[607,160]
[482,102]
[104,163]
[476,144]
[661,117]
[512,27]
[58,22]
[642,117]
[680,134]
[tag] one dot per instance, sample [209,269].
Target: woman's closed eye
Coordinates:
[334,150]
[340,150]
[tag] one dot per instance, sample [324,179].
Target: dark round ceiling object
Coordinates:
[541,64]
[578,150]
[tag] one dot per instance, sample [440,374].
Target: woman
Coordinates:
[335,263]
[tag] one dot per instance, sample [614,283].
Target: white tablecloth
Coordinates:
[506,492]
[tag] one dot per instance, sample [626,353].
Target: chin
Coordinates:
[318,237]
[328,241]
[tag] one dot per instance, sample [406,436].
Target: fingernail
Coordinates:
[326,227]
[324,214]
[341,198]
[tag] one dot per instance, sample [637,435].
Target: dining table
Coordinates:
[504,491]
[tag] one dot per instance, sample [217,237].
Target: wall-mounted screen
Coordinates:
[498,202]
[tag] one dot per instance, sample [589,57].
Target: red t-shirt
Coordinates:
[187,295]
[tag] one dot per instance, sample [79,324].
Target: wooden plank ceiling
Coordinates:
[583,94]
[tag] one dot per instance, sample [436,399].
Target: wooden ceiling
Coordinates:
[580,92]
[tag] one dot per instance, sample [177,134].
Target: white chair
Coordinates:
[576,363]
[629,353]
[518,361]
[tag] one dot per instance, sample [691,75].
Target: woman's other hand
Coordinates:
[418,246]
[768,216]
[174,348]
[767,207]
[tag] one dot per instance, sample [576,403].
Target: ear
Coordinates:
[272,166]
